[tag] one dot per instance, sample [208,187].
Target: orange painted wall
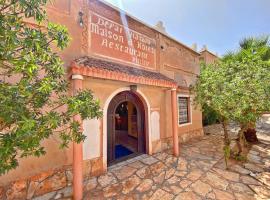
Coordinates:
[172,58]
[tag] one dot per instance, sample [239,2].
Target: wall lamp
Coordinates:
[80,18]
[133,88]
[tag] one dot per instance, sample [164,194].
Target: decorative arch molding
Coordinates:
[146,103]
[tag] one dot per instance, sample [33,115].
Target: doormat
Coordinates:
[121,151]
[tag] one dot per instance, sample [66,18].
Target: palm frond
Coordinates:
[254,42]
[261,41]
[247,43]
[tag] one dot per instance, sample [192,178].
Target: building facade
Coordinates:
[141,77]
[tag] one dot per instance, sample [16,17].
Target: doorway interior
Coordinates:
[126,130]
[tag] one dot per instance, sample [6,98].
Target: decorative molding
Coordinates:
[85,31]
[119,76]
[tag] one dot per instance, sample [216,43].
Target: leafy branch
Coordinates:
[34,100]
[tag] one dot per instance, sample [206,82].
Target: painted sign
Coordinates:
[111,39]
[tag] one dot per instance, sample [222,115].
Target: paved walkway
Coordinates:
[198,173]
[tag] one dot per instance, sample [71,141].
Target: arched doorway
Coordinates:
[126,127]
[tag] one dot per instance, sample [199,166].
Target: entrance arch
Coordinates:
[126,127]
[105,128]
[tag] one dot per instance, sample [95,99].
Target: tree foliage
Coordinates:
[210,116]
[34,99]
[253,61]
[237,86]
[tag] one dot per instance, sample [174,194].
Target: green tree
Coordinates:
[249,89]
[209,95]
[238,88]
[258,46]
[34,100]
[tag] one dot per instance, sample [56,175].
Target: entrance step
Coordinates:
[126,162]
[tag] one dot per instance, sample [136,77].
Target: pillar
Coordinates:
[174,122]
[77,149]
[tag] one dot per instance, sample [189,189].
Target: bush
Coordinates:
[209,116]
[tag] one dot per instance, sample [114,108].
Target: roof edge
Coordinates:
[78,67]
[206,50]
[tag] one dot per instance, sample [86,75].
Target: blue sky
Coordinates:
[219,24]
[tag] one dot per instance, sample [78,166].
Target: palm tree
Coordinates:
[256,45]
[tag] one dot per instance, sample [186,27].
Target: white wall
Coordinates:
[91,145]
[155,126]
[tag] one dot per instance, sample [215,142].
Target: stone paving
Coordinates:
[199,173]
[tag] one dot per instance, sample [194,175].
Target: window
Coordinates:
[183,109]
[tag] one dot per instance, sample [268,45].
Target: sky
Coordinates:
[219,24]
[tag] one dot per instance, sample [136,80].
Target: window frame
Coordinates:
[189,110]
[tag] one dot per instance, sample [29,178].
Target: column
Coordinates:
[77,149]
[174,122]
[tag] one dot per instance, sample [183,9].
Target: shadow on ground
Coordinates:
[199,173]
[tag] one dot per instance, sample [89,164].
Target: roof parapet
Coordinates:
[194,46]
[160,27]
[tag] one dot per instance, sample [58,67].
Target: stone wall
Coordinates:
[52,184]
[167,143]
[57,183]
[185,137]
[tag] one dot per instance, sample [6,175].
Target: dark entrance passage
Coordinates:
[126,134]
